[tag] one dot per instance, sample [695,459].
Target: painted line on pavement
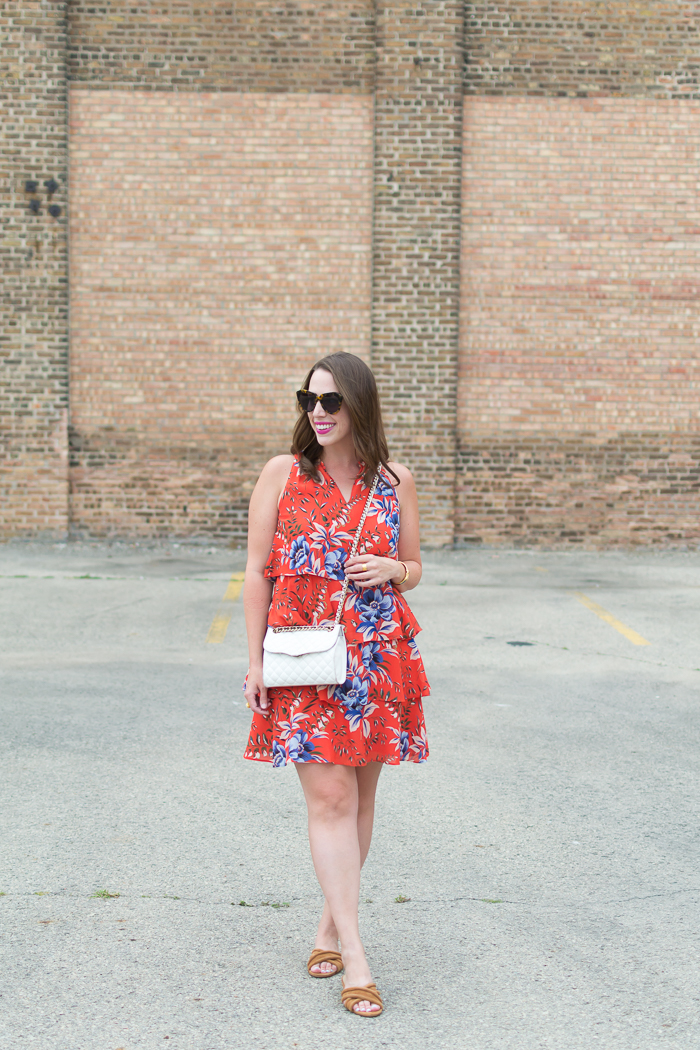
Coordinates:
[631,635]
[222,618]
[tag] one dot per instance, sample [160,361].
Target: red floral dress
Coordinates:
[376,715]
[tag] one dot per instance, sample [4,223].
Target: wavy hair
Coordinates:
[356,383]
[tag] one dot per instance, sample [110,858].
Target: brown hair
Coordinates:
[358,387]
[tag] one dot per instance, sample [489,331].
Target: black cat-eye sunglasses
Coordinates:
[329,402]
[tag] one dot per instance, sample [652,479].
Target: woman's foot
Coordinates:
[327,940]
[318,957]
[364,1000]
[358,975]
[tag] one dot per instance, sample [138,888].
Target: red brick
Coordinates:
[580,313]
[220,244]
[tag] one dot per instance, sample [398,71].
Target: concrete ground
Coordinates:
[158,891]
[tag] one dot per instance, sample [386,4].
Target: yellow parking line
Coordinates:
[219,625]
[235,586]
[631,635]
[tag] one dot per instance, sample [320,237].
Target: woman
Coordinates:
[304,513]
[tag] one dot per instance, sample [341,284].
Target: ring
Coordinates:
[247,704]
[364,567]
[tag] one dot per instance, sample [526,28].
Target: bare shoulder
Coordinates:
[406,489]
[277,467]
[273,476]
[403,473]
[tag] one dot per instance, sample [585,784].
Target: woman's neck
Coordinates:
[341,459]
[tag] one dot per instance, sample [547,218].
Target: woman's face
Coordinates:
[330,429]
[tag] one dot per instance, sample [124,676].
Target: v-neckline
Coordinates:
[346,502]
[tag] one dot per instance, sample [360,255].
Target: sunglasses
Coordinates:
[329,402]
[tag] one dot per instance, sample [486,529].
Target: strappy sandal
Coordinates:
[367,993]
[319,955]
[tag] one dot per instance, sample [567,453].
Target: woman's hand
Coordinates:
[256,692]
[369,570]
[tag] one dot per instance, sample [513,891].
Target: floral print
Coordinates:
[376,612]
[299,554]
[376,715]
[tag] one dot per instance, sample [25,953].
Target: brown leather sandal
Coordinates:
[319,955]
[367,993]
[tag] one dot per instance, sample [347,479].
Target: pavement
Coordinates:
[534,884]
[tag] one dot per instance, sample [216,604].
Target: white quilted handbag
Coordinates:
[311,655]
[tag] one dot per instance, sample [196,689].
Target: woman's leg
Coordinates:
[332,799]
[367,779]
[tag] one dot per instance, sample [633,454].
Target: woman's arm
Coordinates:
[379,570]
[409,534]
[257,593]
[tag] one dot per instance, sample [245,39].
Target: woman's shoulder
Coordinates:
[403,473]
[278,466]
[274,475]
[406,488]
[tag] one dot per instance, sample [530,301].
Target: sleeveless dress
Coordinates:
[376,715]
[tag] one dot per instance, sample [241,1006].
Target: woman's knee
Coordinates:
[332,798]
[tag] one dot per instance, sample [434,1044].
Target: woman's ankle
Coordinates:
[326,933]
[357,970]
[354,953]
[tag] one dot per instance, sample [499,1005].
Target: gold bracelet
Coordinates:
[407,573]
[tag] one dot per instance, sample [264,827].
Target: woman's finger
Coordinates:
[362,568]
[255,707]
[256,697]
[372,572]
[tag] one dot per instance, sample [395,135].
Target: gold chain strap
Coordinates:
[353,549]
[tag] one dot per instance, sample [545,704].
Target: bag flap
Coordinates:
[297,643]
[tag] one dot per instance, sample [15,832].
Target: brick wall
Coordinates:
[259,45]
[578,378]
[33,336]
[583,48]
[416,244]
[588,490]
[239,211]
[220,244]
[231,250]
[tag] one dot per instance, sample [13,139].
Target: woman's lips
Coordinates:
[324,428]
